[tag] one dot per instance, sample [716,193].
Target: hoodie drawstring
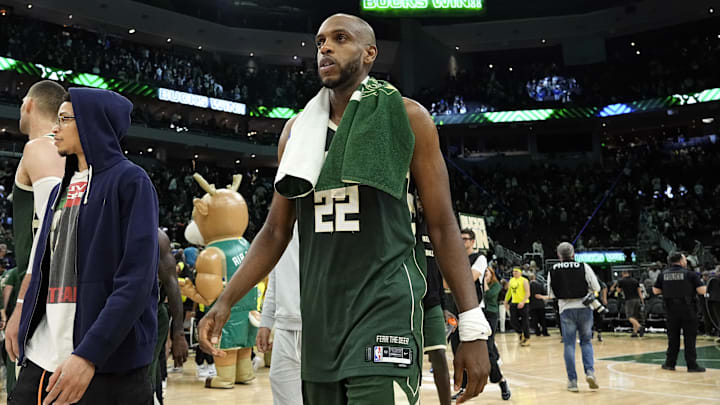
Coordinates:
[87,189]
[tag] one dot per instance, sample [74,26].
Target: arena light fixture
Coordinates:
[543,41]
[302,43]
[457,48]
[632,44]
[490,66]
[131,31]
[637,52]
[29,6]
[150,150]
[168,40]
[252,54]
[69,16]
[237,162]
[295,57]
[195,156]
[252,156]
[199,47]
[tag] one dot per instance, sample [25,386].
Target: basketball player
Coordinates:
[435,342]
[173,309]
[40,169]
[357,285]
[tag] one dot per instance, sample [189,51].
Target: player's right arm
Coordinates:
[264,253]
[13,325]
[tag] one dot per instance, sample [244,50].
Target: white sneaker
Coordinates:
[211,371]
[202,372]
[257,362]
[175,370]
[164,384]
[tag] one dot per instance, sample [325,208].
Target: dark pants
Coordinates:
[681,316]
[154,372]
[127,388]
[520,320]
[495,373]
[9,367]
[538,321]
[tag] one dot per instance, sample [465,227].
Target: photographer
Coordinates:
[679,287]
[574,284]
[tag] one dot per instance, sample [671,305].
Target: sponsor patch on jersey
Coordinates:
[400,356]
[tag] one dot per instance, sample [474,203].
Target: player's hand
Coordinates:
[210,329]
[11,334]
[473,358]
[179,350]
[448,315]
[69,381]
[262,341]
[521,305]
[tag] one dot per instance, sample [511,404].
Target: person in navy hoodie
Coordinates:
[89,323]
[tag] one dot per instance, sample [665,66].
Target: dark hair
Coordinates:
[48,96]
[469,232]
[675,257]
[67,97]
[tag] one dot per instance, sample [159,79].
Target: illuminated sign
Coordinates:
[615,109]
[200,101]
[653,104]
[422,7]
[603,256]
[477,224]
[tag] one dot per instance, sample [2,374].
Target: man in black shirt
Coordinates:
[537,307]
[633,301]
[679,288]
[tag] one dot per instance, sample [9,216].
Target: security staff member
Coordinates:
[570,282]
[678,287]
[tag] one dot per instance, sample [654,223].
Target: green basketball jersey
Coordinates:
[237,332]
[361,287]
[24,224]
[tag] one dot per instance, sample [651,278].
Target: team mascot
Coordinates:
[221,217]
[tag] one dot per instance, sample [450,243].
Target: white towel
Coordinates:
[304,153]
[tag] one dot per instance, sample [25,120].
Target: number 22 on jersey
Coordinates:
[333,209]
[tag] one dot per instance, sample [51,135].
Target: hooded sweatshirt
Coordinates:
[115,324]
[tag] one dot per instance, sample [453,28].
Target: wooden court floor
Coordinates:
[536,375]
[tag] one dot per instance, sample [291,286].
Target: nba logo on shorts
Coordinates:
[378,353]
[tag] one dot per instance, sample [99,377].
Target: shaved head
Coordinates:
[359,27]
[346,51]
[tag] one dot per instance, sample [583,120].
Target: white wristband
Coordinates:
[473,325]
[20,300]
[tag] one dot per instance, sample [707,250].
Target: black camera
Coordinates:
[593,303]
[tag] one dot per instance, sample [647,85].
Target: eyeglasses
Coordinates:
[63,119]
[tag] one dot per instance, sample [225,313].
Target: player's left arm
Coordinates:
[431,177]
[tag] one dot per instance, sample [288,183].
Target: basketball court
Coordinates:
[628,371]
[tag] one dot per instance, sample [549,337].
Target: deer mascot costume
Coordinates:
[221,217]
